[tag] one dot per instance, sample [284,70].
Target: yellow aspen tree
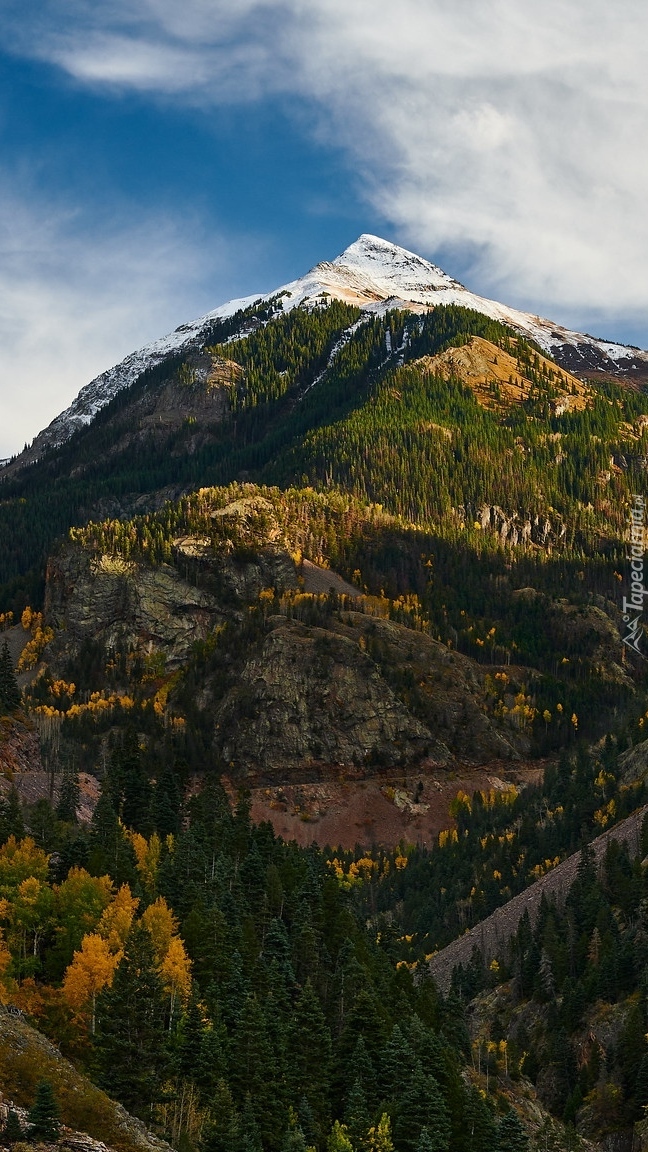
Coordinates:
[175,971]
[147,856]
[338,1139]
[20,859]
[116,919]
[380,1138]
[91,970]
[162,924]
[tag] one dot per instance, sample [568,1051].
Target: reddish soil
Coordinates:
[380,810]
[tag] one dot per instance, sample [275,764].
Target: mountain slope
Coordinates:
[372,274]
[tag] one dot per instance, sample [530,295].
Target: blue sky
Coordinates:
[157,159]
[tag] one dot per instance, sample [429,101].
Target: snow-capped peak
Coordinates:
[394,268]
[371,273]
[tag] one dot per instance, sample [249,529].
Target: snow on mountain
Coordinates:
[100,391]
[375,275]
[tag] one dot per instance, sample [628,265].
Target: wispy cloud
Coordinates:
[75,298]
[510,134]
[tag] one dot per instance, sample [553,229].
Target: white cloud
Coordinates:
[75,298]
[510,133]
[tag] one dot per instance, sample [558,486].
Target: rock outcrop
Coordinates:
[311,698]
[123,605]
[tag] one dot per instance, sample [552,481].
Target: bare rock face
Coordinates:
[311,697]
[514,529]
[125,605]
[19,747]
[451,691]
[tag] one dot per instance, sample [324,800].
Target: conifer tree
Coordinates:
[130,1044]
[9,690]
[294,1140]
[511,1136]
[69,797]
[13,1130]
[356,1116]
[309,1044]
[422,1106]
[11,817]
[223,1132]
[44,1114]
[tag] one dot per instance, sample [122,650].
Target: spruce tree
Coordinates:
[511,1136]
[223,1130]
[9,690]
[356,1116]
[309,1045]
[130,1046]
[422,1106]
[11,817]
[13,1130]
[44,1114]
[294,1140]
[69,796]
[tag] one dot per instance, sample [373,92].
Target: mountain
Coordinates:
[373,275]
[316,616]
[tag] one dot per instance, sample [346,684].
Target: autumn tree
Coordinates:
[91,970]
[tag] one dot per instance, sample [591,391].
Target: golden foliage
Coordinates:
[20,859]
[117,918]
[162,924]
[147,855]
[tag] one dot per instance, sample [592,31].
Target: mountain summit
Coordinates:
[374,275]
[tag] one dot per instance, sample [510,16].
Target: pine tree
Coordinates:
[13,1130]
[252,1056]
[422,1106]
[356,1116]
[11,817]
[223,1131]
[425,1142]
[512,1136]
[478,1123]
[9,690]
[362,1070]
[69,796]
[130,1044]
[309,1045]
[641,1085]
[397,1064]
[44,1114]
[250,1139]
[307,1122]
